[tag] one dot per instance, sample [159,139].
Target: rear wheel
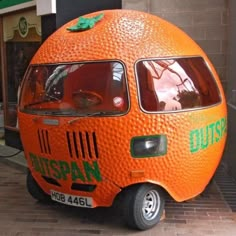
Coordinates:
[143,206]
[35,190]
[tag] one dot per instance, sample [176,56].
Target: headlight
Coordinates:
[148,146]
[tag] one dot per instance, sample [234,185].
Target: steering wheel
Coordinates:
[85,98]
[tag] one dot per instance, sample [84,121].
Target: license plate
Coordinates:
[72,200]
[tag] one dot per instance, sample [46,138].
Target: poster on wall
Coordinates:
[22,27]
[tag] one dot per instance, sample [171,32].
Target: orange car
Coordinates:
[121,102]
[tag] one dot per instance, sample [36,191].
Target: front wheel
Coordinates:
[143,206]
[35,191]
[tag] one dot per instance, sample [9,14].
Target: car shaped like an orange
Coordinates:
[121,102]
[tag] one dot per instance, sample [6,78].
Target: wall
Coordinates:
[71,9]
[206,21]
[231,92]
[230,151]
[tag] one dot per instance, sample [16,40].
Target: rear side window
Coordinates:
[176,84]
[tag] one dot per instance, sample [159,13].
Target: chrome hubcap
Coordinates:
[151,205]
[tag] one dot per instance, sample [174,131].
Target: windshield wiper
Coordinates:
[62,113]
[99,113]
[46,98]
[51,112]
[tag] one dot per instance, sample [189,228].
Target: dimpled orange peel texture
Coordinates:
[128,36]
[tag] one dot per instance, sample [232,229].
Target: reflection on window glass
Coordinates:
[176,84]
[74,89]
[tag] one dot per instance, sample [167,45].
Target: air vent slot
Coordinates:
[83,187]
[51,181]
[44,143]
[82,144]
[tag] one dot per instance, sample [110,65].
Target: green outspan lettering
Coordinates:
[76,172]
[61,169]
[36,164]
[65,169]
[212,127]
[218,131]
[92,170]
[194,141]
[54,166]
[46,164]
[223,126]
[33,159]
[41,163]
[204,138]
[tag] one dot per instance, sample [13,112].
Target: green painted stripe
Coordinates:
[10,3]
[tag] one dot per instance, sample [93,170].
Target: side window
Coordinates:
[176,84]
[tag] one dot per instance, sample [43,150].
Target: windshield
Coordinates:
[75,89]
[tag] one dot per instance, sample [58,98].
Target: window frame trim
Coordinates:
[174,111]
[30,66]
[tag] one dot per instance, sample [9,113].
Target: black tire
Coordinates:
[35,191]
[143,206]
